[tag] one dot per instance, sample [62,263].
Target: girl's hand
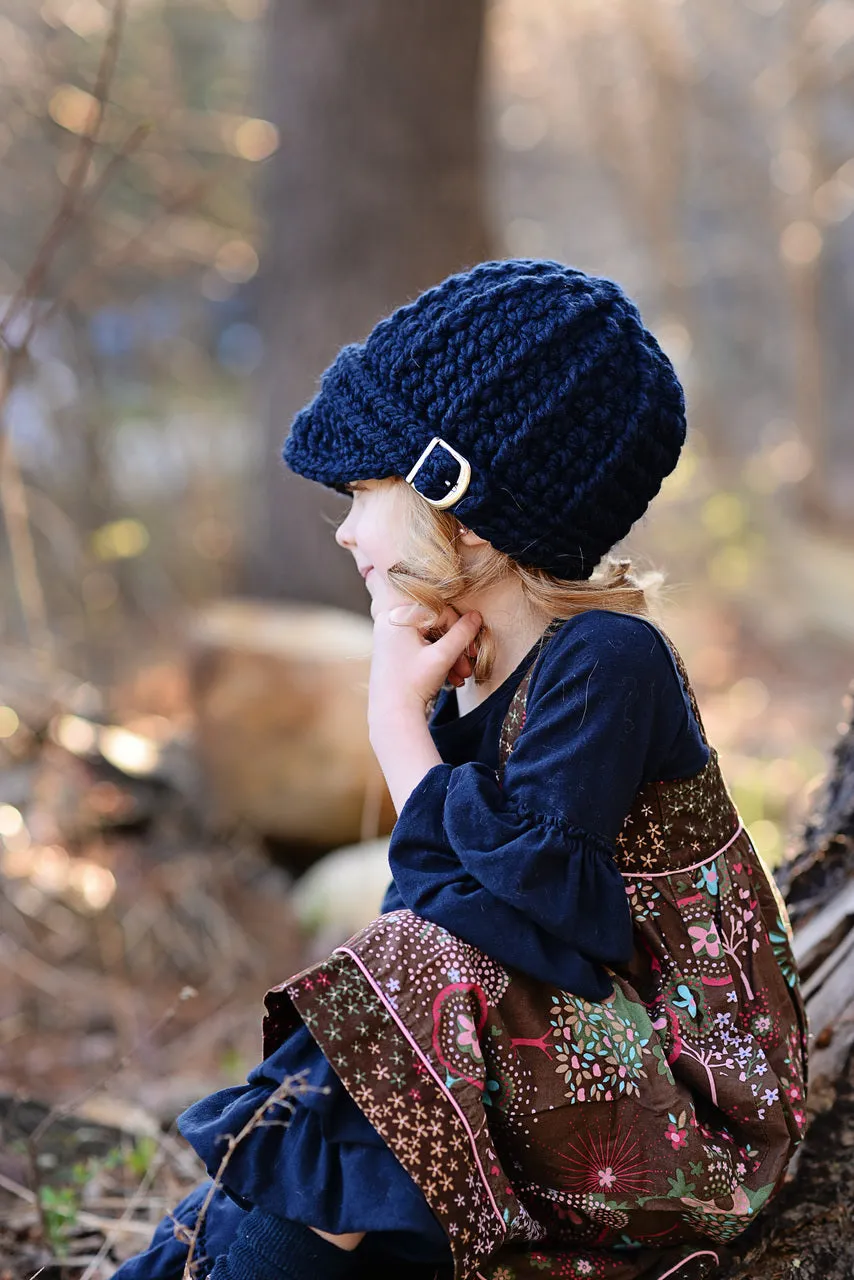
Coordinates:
[407,670]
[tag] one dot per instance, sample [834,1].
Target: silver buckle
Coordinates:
[461,483]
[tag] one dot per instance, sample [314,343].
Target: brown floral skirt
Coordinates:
[557,1137]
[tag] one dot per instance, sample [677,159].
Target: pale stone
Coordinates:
[341,893]
[280,698]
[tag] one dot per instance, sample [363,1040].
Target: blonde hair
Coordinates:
[435,574]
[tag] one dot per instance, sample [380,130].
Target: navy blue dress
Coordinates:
[523,871]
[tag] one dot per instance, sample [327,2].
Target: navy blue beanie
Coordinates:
[557,413]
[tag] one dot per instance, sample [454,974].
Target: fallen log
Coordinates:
[807,1232]
[824,860]
[819,886]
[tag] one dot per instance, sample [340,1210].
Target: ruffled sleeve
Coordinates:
[314,1157]
[493,861]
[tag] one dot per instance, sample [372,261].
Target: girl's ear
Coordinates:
[471,539]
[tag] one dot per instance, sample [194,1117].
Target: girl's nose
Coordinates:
[343,534]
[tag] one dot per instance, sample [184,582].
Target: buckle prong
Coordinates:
[460,484]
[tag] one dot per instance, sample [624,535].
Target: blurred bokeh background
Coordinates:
[200,201]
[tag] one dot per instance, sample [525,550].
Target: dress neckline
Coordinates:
[447,707]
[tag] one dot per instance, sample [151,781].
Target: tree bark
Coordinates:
[374,194]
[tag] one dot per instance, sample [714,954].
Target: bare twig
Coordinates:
[124,253]
[12,493]
[33,280]
[71,211]
[15,1189]
[22,553]
[291,1087]
[35,1138]
[41,319]
[68,1108]
[123,1222]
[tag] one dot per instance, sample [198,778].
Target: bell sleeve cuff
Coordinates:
[540,867]
[431,881]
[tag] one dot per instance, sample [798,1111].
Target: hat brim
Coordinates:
[335,439]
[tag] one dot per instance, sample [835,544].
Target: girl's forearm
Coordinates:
[402,744]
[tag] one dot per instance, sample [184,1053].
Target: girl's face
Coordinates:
[374,530]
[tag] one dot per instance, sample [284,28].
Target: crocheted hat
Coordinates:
[524,396]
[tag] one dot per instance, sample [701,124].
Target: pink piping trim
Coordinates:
[701,1253]
[657,875]
[429,1066]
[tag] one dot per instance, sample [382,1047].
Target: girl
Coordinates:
[572,1045]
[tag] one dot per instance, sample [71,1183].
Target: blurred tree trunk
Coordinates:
[805,262]
[375,193]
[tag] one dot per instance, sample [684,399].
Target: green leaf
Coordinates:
[758,1198]
[60,1206]
[679,1187]
[140,1158]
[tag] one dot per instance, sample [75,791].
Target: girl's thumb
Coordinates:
[458,637]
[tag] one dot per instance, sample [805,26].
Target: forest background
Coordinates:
[200,201]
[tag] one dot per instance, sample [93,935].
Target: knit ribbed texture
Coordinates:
[267,1247]
[543,377]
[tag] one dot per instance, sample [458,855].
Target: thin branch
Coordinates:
[124,253]
[67,1108]
[22,552]
[34,1139]
[291,1086]
[12,492]
[33,281]
[129,146]
[118,1224]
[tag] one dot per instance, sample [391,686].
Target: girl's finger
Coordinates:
[463,666]
[449,647]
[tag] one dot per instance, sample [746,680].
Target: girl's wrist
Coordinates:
[396,720]
[405,751]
